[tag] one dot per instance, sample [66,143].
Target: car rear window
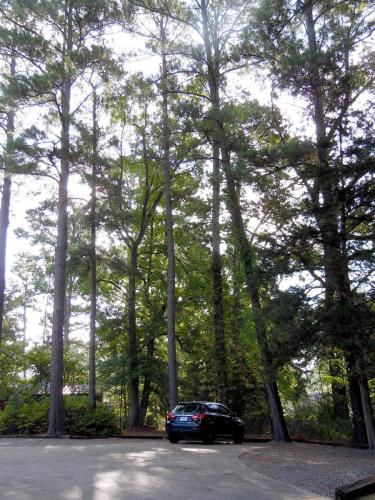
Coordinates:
[188,408]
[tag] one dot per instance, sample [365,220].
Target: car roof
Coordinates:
[200,402]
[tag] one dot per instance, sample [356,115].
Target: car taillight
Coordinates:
[199,416]
[171,416]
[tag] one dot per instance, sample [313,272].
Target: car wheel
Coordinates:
[209,436]
[238,438]
[173,438]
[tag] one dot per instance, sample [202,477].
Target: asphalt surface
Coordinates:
[133,469]
[314,467]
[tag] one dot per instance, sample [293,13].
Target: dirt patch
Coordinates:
[313,467]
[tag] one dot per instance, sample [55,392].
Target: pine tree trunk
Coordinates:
[237,310]
[68,312]
[93,284]
[133,348]
[24,321]
[367,411]
[280,431]
[237,353]
[147,382]
[213,79]
[364,391]
[221,359]
[56,413]
[45,315]
[358,419]
[5,205]
[171,303]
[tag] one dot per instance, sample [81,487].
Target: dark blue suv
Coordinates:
[203,420]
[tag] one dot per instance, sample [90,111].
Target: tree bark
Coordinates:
[93,284]
[68,312]
[238,355]
[5,205]
[56,414]
[220,352]
[237,307]
[213,78]
[147,382]
[133,347]
[24,319]
[358,419]
[171,280]
[367,411]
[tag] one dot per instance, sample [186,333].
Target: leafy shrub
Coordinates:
[33,417]
[23,414]
[314,420]
[81,420]
[339,430]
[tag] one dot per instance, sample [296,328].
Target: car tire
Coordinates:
[238,438]
[209,436]
[173,438]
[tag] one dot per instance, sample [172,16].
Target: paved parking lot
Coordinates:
[132,469]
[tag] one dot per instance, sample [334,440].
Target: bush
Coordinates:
[313,420]
[81,420]
[24,414]
[321,430]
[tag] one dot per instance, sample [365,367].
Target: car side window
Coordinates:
[223,411]
[217,408]
[213,408]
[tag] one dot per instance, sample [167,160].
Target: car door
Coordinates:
[215,417]
[225,420]
[220,415]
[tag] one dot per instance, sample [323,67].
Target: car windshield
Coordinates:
[188,408]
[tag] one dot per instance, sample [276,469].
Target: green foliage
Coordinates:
[26,413]
[291,384]
[23,414]
[39,362]
[81,420]
[311,421]
[291,325]
[12,361]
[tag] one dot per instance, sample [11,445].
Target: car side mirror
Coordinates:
[233,414]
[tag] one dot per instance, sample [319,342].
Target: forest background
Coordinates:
[198,200]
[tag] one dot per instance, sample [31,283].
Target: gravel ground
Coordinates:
[313,467]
